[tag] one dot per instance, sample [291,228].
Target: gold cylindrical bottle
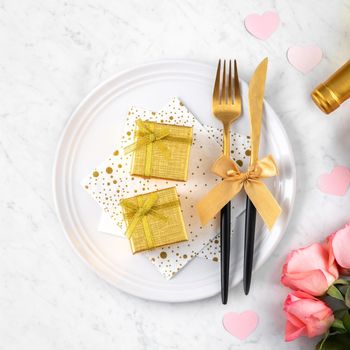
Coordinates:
[329,95]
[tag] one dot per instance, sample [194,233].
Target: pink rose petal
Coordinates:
[309,269]
[306,316]
[341,246]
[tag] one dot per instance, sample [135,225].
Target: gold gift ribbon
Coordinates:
[232,184]
[140,212]
[234,181]
[147,136]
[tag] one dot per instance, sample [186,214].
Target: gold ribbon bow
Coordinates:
[149,134]
[146,137]
[140,212]
[232,184]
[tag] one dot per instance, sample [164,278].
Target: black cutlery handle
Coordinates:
[249,236]
[225,241]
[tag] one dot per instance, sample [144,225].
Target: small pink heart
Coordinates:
[262,26]
[335,183]
[304,59]
[240,325]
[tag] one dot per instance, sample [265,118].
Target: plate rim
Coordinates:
[55,185]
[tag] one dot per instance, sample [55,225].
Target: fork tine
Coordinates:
[237,92]
[223,87]
[229,97]
[216,92]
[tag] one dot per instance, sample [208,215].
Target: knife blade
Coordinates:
[256,102]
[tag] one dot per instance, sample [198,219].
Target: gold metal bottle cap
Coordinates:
[329,95]
[325,99]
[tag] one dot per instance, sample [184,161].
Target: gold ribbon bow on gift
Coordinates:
[232,184]
[146,136]
[149,134]
[140,211]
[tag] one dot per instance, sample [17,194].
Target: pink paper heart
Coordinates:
[240,325]
[304,59]
[262,26]
[335,183]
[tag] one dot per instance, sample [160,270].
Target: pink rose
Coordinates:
[339,248]
[306,316]
[310,269]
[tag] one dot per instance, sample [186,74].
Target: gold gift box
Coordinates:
[154,220]
[161,150]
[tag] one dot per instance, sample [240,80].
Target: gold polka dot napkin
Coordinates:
[110,182]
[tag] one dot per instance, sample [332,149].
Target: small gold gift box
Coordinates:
[161,150]
[153,220]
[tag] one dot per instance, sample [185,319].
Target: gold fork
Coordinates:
[227,107]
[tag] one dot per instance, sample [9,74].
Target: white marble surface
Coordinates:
[52,54]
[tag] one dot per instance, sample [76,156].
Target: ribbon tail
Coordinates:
[216,199]
[131,228]
[136,145]
[263,201]
[148,233]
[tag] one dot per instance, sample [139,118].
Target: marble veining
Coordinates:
[52,54]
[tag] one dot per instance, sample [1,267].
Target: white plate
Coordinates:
[91,135]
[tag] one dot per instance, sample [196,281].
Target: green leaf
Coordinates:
[334,292]
[335,342]
[339,326]
[347,297]
[346,321]
[342,281]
